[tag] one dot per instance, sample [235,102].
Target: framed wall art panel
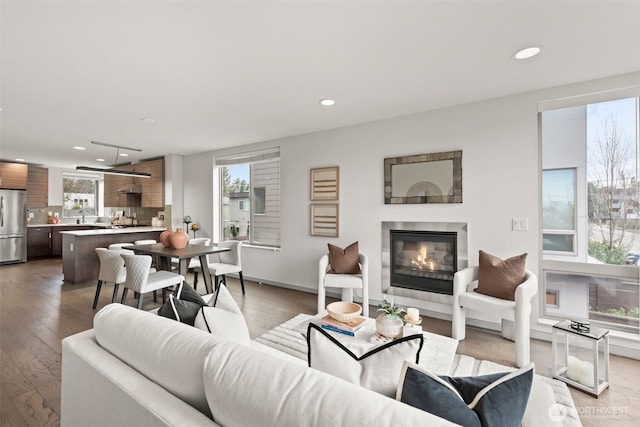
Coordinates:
[325,184]
[324,219]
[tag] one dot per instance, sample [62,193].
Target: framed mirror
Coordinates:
[423,178]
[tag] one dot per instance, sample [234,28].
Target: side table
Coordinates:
[581,357]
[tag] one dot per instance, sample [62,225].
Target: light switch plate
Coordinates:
[520,224]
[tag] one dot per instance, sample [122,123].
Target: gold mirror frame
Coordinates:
[425,165]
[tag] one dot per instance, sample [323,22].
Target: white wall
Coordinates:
[173,190]
[500,160]
[198,190]
[55,186]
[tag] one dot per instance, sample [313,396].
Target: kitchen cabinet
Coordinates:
[38,242]
[152,189]
[112,183]
[37,187]
[13,175]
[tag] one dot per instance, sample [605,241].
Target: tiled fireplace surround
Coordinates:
[418,297]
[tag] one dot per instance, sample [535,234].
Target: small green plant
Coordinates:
[234,230]
[601,251]
[391,310]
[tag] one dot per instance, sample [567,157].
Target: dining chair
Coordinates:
[145,242]
[154,260]
[120,245]
[194,262]
[228,262]
[111,270]
[140,280]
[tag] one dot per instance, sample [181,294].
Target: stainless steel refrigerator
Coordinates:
[13,226]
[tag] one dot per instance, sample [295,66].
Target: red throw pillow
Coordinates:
[500,278]
[344,261]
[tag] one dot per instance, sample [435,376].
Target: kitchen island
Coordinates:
[80,262]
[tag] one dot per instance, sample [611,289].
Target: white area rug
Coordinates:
[438,355]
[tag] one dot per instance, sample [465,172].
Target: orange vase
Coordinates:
[179,239]
[165,237]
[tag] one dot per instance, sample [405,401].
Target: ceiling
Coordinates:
[216,74]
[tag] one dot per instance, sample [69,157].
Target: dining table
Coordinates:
[164,255]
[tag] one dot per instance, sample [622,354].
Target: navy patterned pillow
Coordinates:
[485,400]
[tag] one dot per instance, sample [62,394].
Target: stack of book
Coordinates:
[350,328]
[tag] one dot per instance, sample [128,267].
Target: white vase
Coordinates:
[390,328]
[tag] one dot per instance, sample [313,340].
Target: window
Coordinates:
[250,197]
[559,210]
[80,195]
[590,212]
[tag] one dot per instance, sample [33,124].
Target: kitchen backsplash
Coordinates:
[143,215]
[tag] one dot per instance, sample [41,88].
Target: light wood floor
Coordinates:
[37,310]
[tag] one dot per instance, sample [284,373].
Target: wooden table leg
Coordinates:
[204,263]
[183,266]
[164,263]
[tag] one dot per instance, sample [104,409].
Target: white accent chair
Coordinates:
[228,262]
[140,280]
[111,271]
[347,282]
[514,314]
[194,263]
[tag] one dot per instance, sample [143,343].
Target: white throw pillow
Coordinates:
[378,369]
[224,300]
[223,324]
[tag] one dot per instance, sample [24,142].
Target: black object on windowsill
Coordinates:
[580,326]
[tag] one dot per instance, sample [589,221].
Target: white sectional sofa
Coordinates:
[136,368]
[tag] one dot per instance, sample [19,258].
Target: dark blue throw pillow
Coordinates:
[486,400]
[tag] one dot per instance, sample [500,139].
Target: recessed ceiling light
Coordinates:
[327,102]
[527,52]
[124,154]
[20,160]
[146,120]
[79,148]
[100,160]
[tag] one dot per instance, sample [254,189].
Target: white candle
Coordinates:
[573,368]
[586,374]
[413,314]
[580,371]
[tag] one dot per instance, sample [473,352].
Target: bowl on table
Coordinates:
[344,311]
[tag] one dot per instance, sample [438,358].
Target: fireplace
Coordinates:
[419,259]
[423,260]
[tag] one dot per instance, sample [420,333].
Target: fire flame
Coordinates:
[423,262]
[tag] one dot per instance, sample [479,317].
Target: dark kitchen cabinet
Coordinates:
[38,242]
